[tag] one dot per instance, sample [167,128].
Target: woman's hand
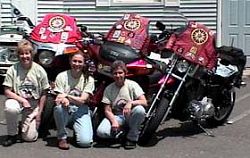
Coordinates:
[62,100]
[115,124]
[26,104]
[38,120]
[127,109]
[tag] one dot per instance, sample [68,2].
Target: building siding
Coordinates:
[100,19]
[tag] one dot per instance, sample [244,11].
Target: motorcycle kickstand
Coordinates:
[208,133]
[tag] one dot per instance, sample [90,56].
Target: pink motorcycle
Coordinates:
[55,38]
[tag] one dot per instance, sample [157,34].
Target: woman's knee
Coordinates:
[29,130]
[84,141]
[139,110]
[30,136]
[12,106]
[103,130]
[58,109]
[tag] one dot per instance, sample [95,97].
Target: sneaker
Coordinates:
[10,140]
[130,144]
[62,144]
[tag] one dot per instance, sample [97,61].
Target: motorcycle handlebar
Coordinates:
[90,40]
[156,64]
[24,18]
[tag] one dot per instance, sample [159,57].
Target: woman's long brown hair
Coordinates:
[85,71]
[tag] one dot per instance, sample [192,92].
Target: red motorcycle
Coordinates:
[203,81]
[54,39]
[128,40]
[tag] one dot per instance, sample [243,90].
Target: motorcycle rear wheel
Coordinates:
[223,109]
[152,123]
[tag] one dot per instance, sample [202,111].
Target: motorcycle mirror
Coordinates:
[153,38]
[83,28]
[160,26]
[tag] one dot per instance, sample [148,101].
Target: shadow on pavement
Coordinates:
[51,141]
[3,137]
[185,129]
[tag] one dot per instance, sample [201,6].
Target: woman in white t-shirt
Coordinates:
[74,87]
[124,103]
[25,87]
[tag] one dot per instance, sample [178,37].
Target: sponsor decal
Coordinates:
[126,16]
[192,53]
[121,39]
[119,26]
[132,24]
[56,23]
[117,34]
[199,36]
[42,30]
[128,41]
[131,35]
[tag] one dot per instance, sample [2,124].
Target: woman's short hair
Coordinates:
[118,64]
[25,45]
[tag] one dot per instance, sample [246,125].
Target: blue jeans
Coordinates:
[80,118]
[133,121]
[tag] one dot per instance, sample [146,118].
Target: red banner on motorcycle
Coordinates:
[196,44]
[132,30]
[57,28]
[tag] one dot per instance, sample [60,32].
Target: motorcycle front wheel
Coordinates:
[223,108]
[153,121]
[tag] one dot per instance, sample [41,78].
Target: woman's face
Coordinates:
[119,76]
[25,57]
[77,63]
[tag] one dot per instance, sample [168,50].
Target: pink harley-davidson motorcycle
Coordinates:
[203,84]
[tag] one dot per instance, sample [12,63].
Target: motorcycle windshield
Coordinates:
[56,28]
[131,29]
[195,43]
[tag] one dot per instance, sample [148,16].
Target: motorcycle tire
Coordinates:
[223,112]
[151,125]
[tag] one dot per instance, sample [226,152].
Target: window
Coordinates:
[172,2]
[137,2]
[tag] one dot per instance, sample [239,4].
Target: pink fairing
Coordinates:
[56,28]
[196,44]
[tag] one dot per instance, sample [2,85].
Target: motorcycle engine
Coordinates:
[200,110]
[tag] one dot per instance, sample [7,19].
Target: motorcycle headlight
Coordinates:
[182,66]
[7,54]
[46,57]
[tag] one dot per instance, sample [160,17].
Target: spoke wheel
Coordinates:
[152,123]
[223,109]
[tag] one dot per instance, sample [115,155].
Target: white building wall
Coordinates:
[100,19]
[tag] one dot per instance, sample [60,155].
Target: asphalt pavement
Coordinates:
[173,139]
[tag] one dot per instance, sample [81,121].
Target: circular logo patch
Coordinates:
[57,23]
[199,36]
[132,24]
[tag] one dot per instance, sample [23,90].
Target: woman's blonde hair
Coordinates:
[25,45]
